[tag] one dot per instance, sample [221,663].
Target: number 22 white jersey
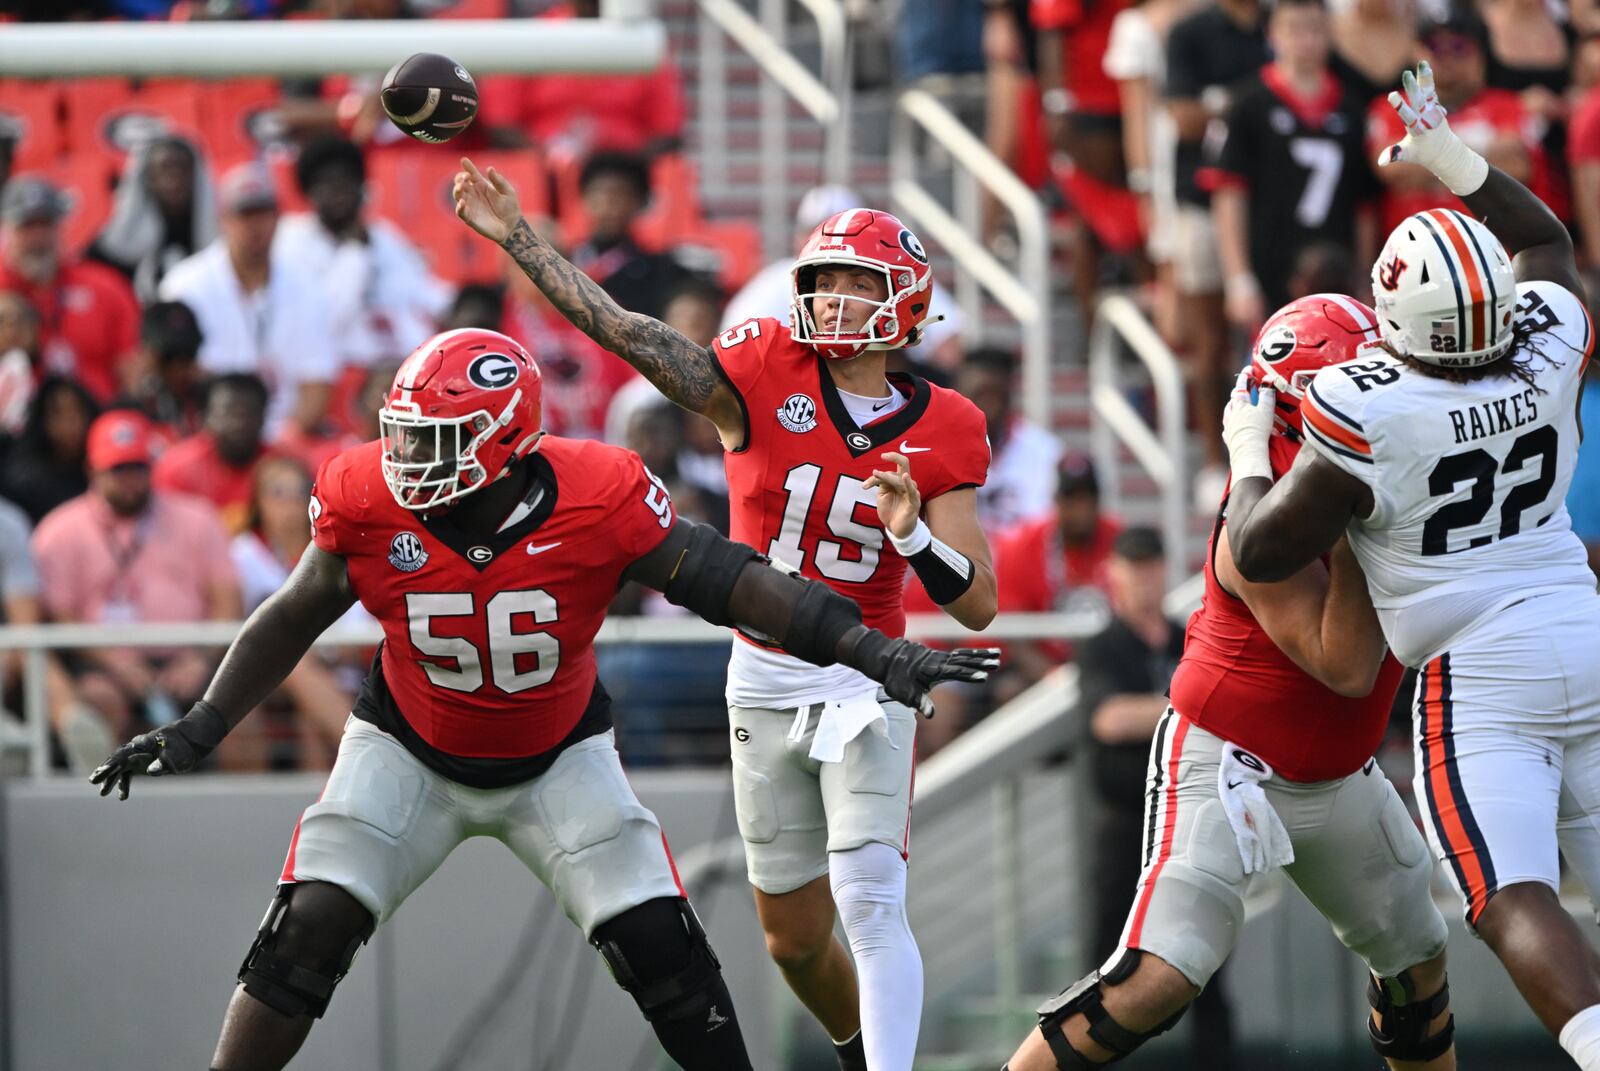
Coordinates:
[1469,480]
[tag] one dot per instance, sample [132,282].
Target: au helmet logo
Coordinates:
[1389,273]
[406,552]
[798,413]
[493,371]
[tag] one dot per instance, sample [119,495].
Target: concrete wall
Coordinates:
[124,924]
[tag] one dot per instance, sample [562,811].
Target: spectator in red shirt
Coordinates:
[571,116]
[218,462]
[124,554]
[1491,121]
[1583,152]
[88,316]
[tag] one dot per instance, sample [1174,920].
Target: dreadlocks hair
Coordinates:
[1516,362]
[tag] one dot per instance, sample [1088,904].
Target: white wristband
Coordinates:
[1244,467]
[1460,167]
[914,543]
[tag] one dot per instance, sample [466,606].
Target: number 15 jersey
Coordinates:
[1469,480]
[795,492]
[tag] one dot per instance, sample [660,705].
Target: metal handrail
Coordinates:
[36,641]
[764,39]
[1025,292]
[1161,452]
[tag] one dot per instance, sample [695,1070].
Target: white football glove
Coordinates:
[1262,839]
[1429,141]
[1246,426]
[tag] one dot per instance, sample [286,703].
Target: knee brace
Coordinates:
[1404,1035]
[1083,997]
[659,955]
[283,983]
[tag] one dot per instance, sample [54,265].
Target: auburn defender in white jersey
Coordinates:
[850,476]
[1447,451]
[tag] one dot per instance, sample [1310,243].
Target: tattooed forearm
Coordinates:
[684,372]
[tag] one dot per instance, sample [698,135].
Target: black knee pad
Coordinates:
[280,977]
[1404,1035]
[659,955]
[1083,996]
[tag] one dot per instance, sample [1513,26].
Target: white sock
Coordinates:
[1581,1038]
[869,886]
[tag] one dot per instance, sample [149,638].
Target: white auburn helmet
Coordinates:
[1444,290]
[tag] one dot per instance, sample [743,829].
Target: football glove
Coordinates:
[1246,426]
[908,671]
[174,748]
[1429,141]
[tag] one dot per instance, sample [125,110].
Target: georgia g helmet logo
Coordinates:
[1278,344]
[912,245]
[1389,274]
[493,371]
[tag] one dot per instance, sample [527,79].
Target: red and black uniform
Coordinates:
[487,669]
[795,484]
[1234,682]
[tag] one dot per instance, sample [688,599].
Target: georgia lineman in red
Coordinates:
[489,552]
[543,585]
[1278,704]
[822,765]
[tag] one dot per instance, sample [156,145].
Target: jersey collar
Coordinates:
[879,433]
[472,547]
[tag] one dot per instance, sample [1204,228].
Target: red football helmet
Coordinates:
[860,238]
[463,408]
[1304,336]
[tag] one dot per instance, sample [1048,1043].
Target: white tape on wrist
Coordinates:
[1461,169]
[914,543]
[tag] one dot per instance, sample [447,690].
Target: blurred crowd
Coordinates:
[205,290]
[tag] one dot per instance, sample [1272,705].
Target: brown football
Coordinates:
[429,96]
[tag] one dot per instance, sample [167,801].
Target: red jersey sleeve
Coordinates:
[741,351]
[965,460]
[642,512]
[327,509]
[1583,133]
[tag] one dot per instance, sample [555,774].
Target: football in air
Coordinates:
[429,96]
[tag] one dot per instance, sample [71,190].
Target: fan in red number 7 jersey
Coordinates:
[1264,759]
[822,758]
[489,552]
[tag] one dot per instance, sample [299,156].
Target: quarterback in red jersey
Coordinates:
[822,759]
[1264,759]
[489,552]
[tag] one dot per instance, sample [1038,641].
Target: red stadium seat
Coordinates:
[85,178]
[31,112]
[233,114]
[674,203]
[413,188]
[106,118]
[737,245]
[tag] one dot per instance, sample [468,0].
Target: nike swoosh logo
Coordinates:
[904,449]
[1235,784]
[532,550]
[885,405]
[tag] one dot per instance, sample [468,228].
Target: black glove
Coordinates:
[909,670]
[174,748]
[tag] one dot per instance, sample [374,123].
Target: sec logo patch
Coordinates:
[798,413]
[406,552]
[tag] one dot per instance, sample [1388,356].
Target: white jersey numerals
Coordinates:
[1324,158]
[801,485]
[504,644]
[739,333]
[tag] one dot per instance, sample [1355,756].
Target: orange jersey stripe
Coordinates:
[1474,276]
[1327,426]
[1447,809]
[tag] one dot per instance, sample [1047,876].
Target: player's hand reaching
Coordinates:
[899,500]
[486,202]
[174,748]
[1429,141]
[1246,427]
[908,671]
